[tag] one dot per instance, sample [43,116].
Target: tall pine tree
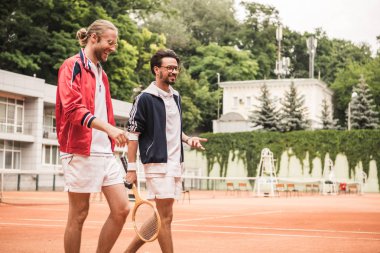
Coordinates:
[364,114]
[265,116]
[326,117]
[294,113]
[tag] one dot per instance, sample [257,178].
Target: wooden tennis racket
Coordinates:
[145,218]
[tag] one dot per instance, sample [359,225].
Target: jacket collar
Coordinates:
[154,90]
[85,61]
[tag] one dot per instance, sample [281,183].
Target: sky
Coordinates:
[354,20]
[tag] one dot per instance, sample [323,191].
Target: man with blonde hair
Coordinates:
[87,136]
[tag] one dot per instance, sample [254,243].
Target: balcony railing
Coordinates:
[15,128]
[50,132]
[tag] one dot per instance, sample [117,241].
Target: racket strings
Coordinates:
[146,221]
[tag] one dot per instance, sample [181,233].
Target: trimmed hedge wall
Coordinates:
[357,145]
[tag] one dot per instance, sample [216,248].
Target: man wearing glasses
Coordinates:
[155,126]
[87,135]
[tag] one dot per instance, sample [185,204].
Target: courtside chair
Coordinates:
[291,188]
[309,188]
[353,188]
[243,187]
[230,187]
[316,188]
[342,188]
[279,188]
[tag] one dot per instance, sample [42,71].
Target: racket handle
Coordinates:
[124,162]
[128,185]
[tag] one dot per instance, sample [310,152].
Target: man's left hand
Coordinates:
[196,142]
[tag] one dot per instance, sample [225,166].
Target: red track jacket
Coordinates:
[75,105]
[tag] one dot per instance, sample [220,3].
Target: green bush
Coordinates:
[358,145]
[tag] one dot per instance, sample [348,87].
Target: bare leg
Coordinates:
[118,202]
[137,242]
[134,245]
[165,209]
[78,210]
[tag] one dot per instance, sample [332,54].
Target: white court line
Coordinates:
[233,227]
[52,225]
[205,232]
[280,235]
[282,229]
[56,220]
[227,216]
[33,225]
[50,209]
[50,220]
[176,222]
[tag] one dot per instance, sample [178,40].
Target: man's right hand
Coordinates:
[118,135]
[131,177]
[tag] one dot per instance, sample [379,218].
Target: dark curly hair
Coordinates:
[156,59]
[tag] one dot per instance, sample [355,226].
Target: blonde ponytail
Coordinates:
[82,36]
[98,27]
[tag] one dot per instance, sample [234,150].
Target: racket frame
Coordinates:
[138,202]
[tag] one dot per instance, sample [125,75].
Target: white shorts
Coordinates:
[165,187]
[87,174]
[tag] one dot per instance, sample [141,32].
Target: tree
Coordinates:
[335,54]
[347,78]
[326,117]
[195,23]
[191,116]
[233,64]
[265,116]
[191,110]
[363,111]
[202,102]
[36,37]
[258,35]
[293,113]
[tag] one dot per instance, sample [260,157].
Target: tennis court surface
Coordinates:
[210,223]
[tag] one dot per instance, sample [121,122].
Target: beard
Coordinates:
[98,54]
[170,79]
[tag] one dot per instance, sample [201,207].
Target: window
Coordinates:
[235,103]
[51,155]
[10,155]
[3,115]
[49,122]
[248,101]
[11,115]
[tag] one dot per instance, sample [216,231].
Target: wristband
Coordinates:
[132,167]
[133,136]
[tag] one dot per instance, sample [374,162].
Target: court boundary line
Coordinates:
[281,229]
[212,232]
[227,216]
[281,235]
[232,227]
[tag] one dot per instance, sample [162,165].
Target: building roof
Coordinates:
[232,116]
[277,83]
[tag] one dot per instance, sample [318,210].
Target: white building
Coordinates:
[240,98]
[28,138]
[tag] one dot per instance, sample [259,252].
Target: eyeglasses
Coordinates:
[171,69]
[112,43]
